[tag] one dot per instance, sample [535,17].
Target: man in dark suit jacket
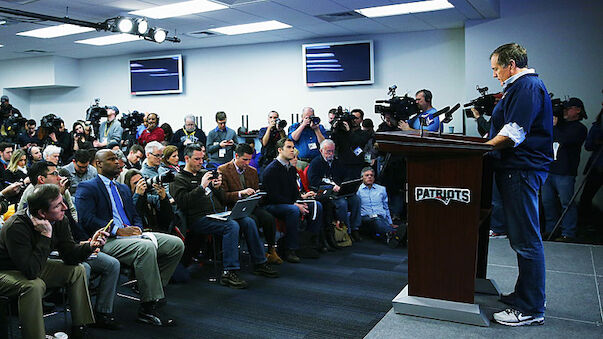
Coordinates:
[239,180]
[326,170]
[101,200]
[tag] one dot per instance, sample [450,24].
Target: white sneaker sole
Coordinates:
[529,322]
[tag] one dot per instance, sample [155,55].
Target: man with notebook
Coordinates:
[327,170]
[198,193]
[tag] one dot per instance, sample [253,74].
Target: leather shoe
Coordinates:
[148,314]
[356,236]
[291,257]
[106,321]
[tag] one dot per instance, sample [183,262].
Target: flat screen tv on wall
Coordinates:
[156,75]
[338,63]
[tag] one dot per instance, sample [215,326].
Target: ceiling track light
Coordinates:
[135,26]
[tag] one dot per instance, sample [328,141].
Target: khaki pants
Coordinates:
[153,267]
[30,292]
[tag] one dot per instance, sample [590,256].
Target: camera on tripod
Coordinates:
[399,108]
[130,122]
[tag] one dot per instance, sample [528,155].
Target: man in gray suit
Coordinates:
[109,130]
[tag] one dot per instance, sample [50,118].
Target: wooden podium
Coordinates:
[448,224]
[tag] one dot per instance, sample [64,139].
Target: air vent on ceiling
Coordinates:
[202,34]
[36,51]
[340,16]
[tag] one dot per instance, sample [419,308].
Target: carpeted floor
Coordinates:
[341,295]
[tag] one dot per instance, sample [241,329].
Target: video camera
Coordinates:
[340,116]
[130,122]
[51,123]
[399,108]
[95,112]
[558,106]
[484,104]
[14,124]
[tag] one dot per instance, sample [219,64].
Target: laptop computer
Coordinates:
[241,209]
[348,188]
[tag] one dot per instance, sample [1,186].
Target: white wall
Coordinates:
[254,79]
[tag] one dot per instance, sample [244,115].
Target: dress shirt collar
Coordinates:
[283,162]
[512,79]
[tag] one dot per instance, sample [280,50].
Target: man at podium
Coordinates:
[522,135]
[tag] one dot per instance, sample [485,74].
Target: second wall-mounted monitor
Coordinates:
[338,63]
[156,75]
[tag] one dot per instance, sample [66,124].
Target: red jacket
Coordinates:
[155,135]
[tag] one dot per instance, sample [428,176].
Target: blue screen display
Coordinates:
[338,63]
[155,76]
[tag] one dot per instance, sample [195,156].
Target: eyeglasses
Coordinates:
[157,155]
[55,172]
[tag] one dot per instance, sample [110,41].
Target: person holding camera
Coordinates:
[26,241]
[568,136]
[102,200]
[78,170]
[80,140]
[152,132]
[269,135]
[199,192]
[351,141]
[221,142]
[307,136]
[154,208]
[423,98]
[188,134]
[109,130]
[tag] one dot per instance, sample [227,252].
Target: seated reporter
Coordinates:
[101,199]
[52,154]
[327,170]
[197,194]
[78,170]
[25,270]
[374,208]
[152,132]
[280,184]
[154,152]
[239,180]
[102,265]
[154,208]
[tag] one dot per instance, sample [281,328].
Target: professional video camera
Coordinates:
[94,113]
[51,123]
[160,179]
[130,122]
[399,108]
[485,103]
[340,116]
[14,124]
[558,106]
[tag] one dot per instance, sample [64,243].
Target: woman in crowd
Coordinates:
[80,138]
[167,133]
[169,162]
[17,167]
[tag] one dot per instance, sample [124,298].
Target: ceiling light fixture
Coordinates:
[179,9]
[110,39]
[138,28]
[405,8]
[55,31]
[251,28]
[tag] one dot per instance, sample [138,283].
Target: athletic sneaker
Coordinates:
[511,317]
[494,235]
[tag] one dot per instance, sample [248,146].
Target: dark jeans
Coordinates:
[290,213]
[378,225]
[265,220]
[497,219]
[519,193]
[343,205]
[229,230]
[560,188]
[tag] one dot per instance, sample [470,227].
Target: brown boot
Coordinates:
[273,257]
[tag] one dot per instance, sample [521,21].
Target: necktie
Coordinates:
[118,205]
